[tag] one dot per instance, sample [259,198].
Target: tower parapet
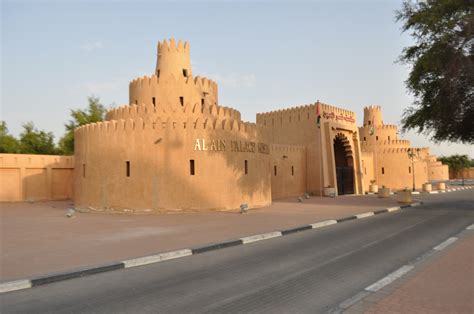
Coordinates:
[373,116]
[173,59]
[173,81]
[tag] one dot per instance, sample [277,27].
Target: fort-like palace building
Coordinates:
[174,146]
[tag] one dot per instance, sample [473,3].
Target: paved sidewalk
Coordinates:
[444,283]
[37,238]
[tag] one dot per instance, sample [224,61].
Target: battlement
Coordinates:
[171,123]
[384,127]
[149,111]
[198,81]
[372,108]
[171,46]
[173,58]
[373,116]
[387,143]
[327,112]
[399,150]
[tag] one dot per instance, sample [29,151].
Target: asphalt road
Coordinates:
[308,272]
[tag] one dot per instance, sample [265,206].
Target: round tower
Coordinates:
[373,116]
[173,59]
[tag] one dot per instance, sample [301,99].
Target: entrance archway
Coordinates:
[344,163]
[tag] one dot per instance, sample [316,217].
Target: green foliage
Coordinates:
[8,143]
[95,112]
[456,163]
[34,141]
[442,74]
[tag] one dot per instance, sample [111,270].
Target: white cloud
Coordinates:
[234,80]
[91,46]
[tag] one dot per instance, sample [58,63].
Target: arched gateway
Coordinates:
[344,163]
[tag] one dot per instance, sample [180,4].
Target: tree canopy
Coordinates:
[456,163]
[94,112]
[8,143]
[442,74]
[34,141]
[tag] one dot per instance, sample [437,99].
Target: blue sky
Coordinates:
[264,55]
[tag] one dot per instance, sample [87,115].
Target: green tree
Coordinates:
[456,164]
[8,143]
[442,74]
[95,112]
[34,141]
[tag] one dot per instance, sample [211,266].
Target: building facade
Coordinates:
[392,162]
[175,147]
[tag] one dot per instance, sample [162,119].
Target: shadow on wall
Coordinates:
[35,177]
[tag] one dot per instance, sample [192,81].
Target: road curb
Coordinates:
[157,258]
[447,190]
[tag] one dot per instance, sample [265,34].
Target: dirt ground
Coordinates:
[38,238]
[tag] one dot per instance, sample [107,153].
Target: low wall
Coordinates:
[35,177]
[466,173]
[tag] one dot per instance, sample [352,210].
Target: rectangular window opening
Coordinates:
[365,139]
[292,170]
[153,101]
[181,100]
[275,170]
[202,101]
[409,169]
[389,138]
[246,167]
[191,167]
[127,163]
[158,73]
[383,170]
[185,73]
[376,138]
[136,102]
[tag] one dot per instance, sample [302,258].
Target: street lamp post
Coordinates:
[412,154]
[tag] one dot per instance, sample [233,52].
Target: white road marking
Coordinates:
[15,285]
[415,192]
[323,223]
[444,244]
[392,209]
[390,278]
[156,258]
[471,227]
[260,237]
[433,192]
[364,215]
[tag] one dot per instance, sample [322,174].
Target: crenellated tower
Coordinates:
[373,116]
[173,82]
[173,59]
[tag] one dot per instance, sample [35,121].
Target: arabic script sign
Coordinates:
[340,117]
